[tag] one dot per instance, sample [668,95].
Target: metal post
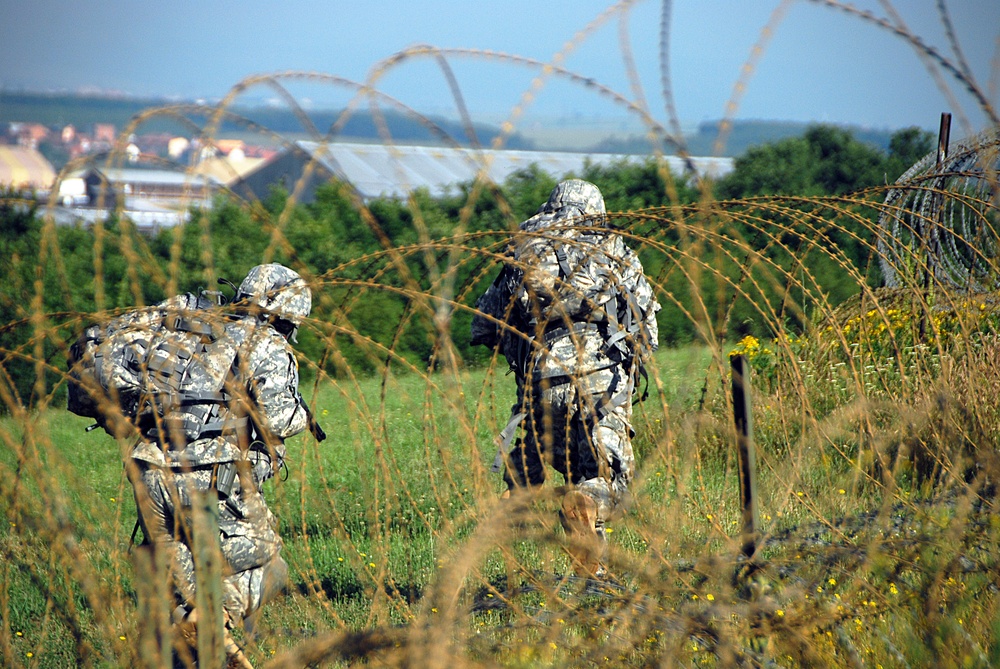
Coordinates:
[931,241]
[745,455]
[944,134]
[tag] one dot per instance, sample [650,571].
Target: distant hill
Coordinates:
[83,111]
[742,135]
[56,110]
[745,134]
[60,109]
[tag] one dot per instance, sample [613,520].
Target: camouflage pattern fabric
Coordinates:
[570,199]
[277,291]
[579,429]
[248,534]
[107,361]
[262,385]
[267,388]
[574,315]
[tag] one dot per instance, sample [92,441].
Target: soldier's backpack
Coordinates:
[561,273]
[568,273]
[162,370]
[576,273]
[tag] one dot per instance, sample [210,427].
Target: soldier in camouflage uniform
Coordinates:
[575,317]
[266,408]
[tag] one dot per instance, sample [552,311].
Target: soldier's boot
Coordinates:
[584,545]
[273,583]
[185,635]
[235,658]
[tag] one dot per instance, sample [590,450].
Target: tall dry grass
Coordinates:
[875,427]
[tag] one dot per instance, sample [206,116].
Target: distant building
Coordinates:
[283,169]
[177,146]
[375,170]
[106,186]
[227,146]
[104,133]
[151,198]
[147,217]
[253,151]
[28,134]
[72,190]
[155,144]
[228,170]
[23,168]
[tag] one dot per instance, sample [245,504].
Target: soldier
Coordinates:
[238,444]
[574,316]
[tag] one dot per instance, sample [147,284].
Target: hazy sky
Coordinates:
[820,64]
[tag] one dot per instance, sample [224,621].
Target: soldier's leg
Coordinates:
[613,436]
[248,540]
[602,466]
[526,462]
[585,545]
[160,498]
[560,430]
[186,628]
[585,506]
[524,465]
[163,497]
[252,549]
[246,593]
[249,536]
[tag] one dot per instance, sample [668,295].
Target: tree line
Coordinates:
[333,232]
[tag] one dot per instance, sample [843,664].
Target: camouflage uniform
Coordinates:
[579,317]
[171,471]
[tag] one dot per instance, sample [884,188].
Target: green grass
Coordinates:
[369,515]
[394,523]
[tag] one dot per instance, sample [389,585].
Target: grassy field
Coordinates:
[397,486]
[872,323]
[875,422]
[399,547]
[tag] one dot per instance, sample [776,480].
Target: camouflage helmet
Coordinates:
[577,194]
[278,290]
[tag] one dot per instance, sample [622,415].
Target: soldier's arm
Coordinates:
[494,305]
[642,292]
[275,390]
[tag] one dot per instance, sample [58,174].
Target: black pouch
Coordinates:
[225,478]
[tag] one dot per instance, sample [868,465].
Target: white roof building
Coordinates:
[376,170]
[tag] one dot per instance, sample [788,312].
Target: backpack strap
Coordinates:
[201,430]
[506,436]
[185,323]
[562,258]
[609,402]
[191,397]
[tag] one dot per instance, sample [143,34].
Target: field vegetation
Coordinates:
[870,327]
[874,421]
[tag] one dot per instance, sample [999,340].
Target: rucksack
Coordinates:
[560,274]
[567,273]
[573,274]
[162,370]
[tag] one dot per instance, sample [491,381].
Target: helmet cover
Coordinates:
[579,194]
[574,202]
[277,290]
